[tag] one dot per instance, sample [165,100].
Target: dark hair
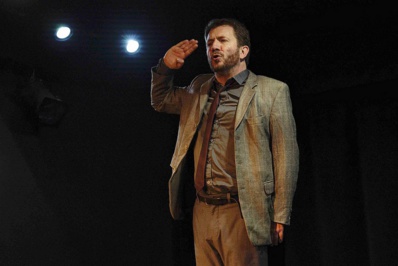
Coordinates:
[240,30]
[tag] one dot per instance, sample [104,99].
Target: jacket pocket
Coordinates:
[269,187]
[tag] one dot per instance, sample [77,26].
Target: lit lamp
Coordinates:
[63,33]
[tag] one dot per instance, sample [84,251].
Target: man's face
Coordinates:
[222,49]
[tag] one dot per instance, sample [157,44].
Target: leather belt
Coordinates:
[218,200]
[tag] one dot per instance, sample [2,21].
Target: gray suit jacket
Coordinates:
[266,150]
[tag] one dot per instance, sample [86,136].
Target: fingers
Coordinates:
[189,46]
[276,233]
[175,56]
[280,237]
[184,48]
[275,238]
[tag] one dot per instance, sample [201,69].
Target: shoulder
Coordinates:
[268,87]
[202,78]
[263,81]
[198,81]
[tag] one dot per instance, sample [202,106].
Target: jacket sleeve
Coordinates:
[165,97]
[285,154]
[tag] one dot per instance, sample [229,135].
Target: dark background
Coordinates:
[92,190]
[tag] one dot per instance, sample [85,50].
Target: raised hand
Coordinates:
[175,56]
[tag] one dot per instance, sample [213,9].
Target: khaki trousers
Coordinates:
[220,237]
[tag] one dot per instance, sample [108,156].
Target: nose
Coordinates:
[215,45]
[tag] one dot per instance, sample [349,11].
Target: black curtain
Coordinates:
[344,210]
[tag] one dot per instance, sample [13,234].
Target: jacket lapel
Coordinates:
[203,97]
[245,98]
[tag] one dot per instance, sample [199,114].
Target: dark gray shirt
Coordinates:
[220,166]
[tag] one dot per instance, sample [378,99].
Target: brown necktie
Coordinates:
[200,171]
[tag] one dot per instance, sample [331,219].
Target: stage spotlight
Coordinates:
[132,46]
[63,33]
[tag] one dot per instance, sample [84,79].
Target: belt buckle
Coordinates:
[220,200]
[216,201]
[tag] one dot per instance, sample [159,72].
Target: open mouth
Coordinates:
[216,57]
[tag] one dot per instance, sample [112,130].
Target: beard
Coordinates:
[229,62]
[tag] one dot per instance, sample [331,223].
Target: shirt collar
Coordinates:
[242,76]
[239,78]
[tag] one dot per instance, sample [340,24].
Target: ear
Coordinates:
[244,51]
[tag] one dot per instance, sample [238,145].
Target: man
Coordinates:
[251,164]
